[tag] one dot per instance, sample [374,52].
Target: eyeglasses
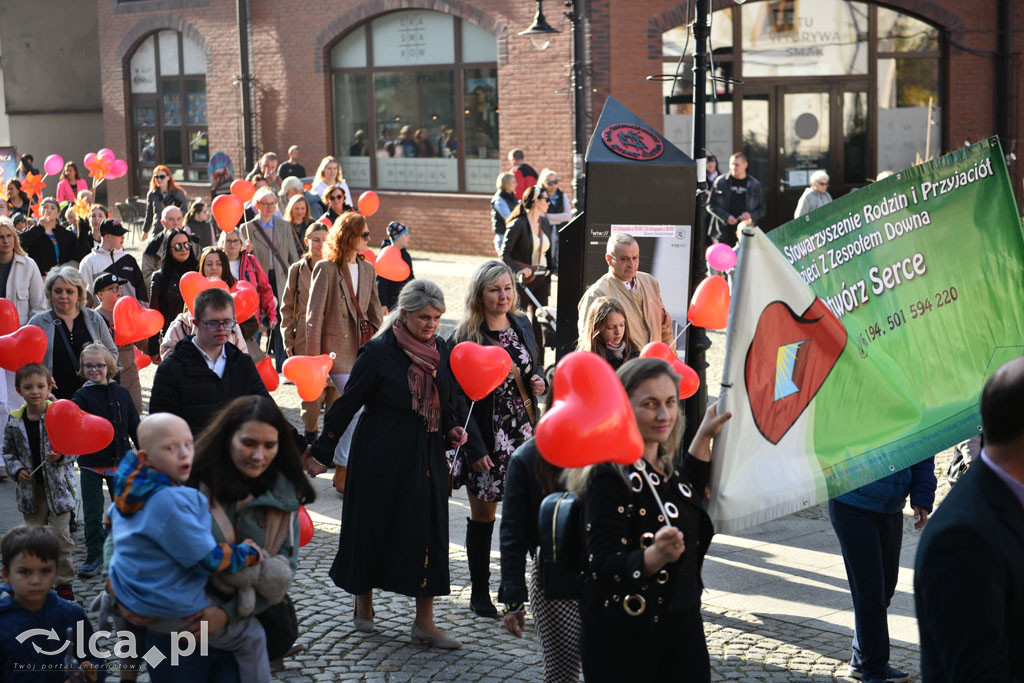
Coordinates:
[94,366]
[214,325]
[553,182]
[366,235]
[184,246]
[544,197]
[334,197]
[159,177]
[268,204]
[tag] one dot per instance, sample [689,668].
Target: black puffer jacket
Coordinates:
[186,386]
[113,402]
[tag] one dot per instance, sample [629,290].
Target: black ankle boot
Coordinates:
[478,550]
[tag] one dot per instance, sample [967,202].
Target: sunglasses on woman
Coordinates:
[159,177]
[184,246]
[366,235]
[334,197]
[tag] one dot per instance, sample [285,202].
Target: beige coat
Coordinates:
[25,288]
[283,241]
[645,313]
[293,306]
[332,322]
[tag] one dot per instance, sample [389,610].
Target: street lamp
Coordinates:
[540,33]
[540,30]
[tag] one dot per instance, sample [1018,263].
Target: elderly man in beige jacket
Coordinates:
[638,293]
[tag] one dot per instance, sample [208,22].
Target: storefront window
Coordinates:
[903,33]
[167,82]
[412,112]
[908,112]
[790,38]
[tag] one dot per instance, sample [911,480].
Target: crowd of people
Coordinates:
[203,528]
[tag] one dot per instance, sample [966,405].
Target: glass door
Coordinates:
[805,145]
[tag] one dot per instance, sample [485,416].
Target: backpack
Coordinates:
[561,546]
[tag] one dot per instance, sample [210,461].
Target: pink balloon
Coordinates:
[53,165]
[105,153]
[118,168]
[90,160]
[721,257]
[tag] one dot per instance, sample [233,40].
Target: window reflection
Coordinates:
[786,38]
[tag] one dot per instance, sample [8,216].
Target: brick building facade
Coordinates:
[294,67]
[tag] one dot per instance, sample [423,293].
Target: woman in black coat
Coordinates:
[163,192]
[394,531]
[642,583]
[527,249]
[502,421]
[177,258]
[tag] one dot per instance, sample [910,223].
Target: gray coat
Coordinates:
[58,477]
[94,322]
[810,200]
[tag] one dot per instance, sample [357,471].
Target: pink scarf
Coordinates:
[425,358]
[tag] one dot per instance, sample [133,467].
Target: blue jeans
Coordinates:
[871,543]
[218,666]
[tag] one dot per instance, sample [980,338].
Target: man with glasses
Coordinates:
[815,196]
[275,250]
[204,372]
[110,257]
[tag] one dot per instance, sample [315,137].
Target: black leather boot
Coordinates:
[478,550]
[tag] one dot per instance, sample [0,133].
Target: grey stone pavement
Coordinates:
[776,605]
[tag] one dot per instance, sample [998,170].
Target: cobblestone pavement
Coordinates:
[776,607]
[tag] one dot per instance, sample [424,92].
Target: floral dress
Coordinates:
[510,421]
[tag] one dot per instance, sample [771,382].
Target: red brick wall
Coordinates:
[292,100]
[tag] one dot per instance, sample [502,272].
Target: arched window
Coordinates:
[416,104]
[167,74]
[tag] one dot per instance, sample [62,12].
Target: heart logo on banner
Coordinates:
[390,265]
[591,420]
[271,380]
[309,373]
[479,369]
[26,345]
[72,431]
[788,360]
[247,300]
[191,283]
[9,322]
[134,323]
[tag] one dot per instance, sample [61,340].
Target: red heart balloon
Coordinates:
[309,373]
[305,527]
[227,210]
[72,431]
[369,202]
[247,300]
[370,257]
[134,323]
[268,374]
[709,307]
[689,382]
[141,359]
[23,346]
[191,283]
[657,349]
[479,369]
[8,317]
[390,265]
[591,419]
[243,189]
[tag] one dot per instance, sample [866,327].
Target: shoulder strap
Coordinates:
[258,229]
[348,282]
[525,395]
[64,338]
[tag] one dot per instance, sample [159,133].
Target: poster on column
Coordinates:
[664,253]
[860,335]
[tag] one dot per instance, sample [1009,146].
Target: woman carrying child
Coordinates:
[46,493]
[99,396]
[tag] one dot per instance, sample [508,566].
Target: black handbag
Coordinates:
[561,546]
[282,627]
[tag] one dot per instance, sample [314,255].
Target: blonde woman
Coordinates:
[343,311]
[296,213]
[23,287]
[502,203]
[327,175]
[502,421]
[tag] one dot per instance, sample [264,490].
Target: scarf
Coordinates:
[618,350]
[134,484]
[425,358]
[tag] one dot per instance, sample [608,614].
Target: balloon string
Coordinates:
[464,427]
[681,332]
[33,472]
[654,490]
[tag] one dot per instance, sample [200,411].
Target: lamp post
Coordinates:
[540,33]
[697,342]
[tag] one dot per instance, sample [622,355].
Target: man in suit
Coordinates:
[274,248]
[969,574]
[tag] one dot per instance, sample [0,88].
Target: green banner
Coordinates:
[925,270]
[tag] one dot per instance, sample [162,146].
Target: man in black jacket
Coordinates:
[969,574]
[204,373]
